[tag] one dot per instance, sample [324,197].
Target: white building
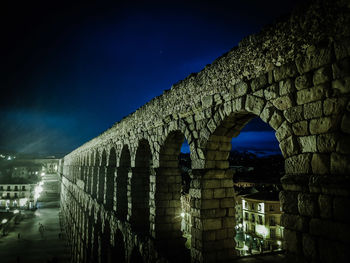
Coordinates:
[17,196]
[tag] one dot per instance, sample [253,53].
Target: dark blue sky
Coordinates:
[68,72]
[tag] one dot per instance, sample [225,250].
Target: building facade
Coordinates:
[17,196]
[262,221]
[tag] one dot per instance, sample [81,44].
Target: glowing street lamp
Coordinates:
[16,211]
[4,221]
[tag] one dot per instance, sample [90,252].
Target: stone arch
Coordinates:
[167,203]
[135,256]
[118,250]
[140,187]
[110,175]
[102,176]
[96,240]
[121,183]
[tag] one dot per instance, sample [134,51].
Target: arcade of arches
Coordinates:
[121,191]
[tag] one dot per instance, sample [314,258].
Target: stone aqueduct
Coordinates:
[120,195]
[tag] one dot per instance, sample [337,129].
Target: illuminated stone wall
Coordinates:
[121,191]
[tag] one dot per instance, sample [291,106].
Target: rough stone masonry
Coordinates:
[121,191]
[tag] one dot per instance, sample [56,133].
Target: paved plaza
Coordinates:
[32,246]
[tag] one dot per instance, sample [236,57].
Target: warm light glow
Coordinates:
[4,221]
[23,201]
[42,174]
[245,247]
[182,214]
[16,211]
[279,243]
[240,225]
[37,191]
[261,230]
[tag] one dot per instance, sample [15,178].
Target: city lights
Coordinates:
[261,230]
[182,214]
[4,221]
[16,211]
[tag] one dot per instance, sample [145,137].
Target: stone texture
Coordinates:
[322,125]
[322,75]
[315,57]
[303,82]
[313,110]
[307,143]
[298,164]
[320,163]
[300,128]
[294,114]
[307,205]
[283,103]
[313,94]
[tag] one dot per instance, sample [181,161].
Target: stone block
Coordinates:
[334,105]
[331,251]
[342,48]
[307,143]
[211,183]
[345,123]
[341,69]
[259,93]
[343,145]
[329,229]
[323,125]
[283,131]
[300,128]
[308,205]
[286,87]
[207,101]
[322,75]
[284,102]
[219,193]
[271,92]
[266,113]
[276,120]
[294,114]
[240,89]
[285,71]
[327,142]
[320,163]
[211,224]
[289,202]
[315,57]
[293,241]
[259,82]
[341,209]
[341,85]
[295,182]
[289,146]
[303,82]
[325,205]
[298,164]
[228,222]
[310,247]
[254,104]
[227,202]
[312,94]
[313,110]
[340,164]
[210,204]
[295,222]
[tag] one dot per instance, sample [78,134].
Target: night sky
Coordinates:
[70,71]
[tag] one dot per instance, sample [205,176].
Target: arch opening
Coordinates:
[118,250]
[244,156]
[121,181]
[111,169]
[106,248]
[171,182]
[136,256]
[140,188]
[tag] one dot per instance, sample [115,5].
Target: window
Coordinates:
[8,188]
[272,208]
[1,188]
[259,207]
[272,233]
[246,216]
[260,220]
[23,188]
[272,221]
[16,196]
[253,218]
[253,206]
[8,195]
[16,188]
[245,204]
